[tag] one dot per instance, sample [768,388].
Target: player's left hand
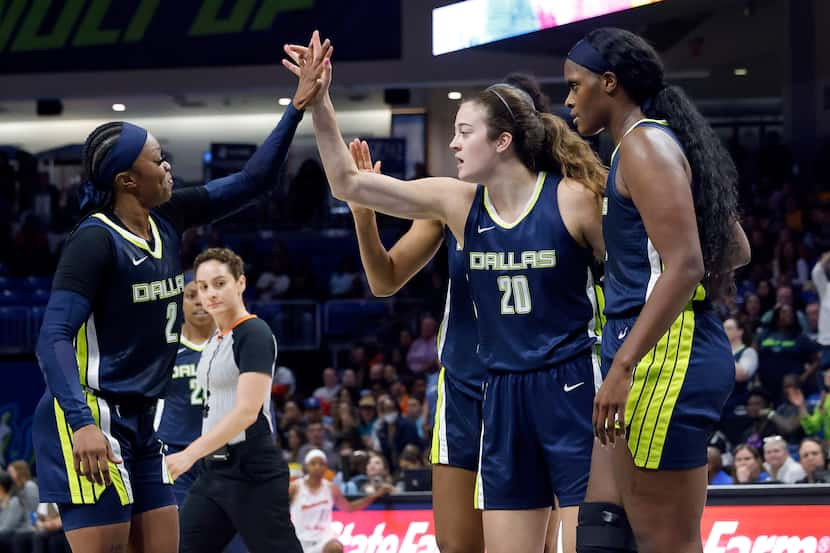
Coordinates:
[179,463]
[609,405]
[363,159]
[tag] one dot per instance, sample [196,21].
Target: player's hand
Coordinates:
[363,159]
[609,405]
[312,66]
[178,463]
[93,453]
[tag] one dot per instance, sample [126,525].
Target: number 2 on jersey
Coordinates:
[519,289]
[171,336]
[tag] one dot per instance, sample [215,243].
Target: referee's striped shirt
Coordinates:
[248,346]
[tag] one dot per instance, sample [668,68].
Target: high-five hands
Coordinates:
[312,66]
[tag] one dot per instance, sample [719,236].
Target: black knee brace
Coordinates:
[604,528]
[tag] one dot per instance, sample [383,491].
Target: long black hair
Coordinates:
[639,71]
[98,144]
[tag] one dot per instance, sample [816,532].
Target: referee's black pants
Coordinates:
[248,494]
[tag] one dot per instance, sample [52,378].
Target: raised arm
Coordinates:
[445,199]
[223,197]
[388,271]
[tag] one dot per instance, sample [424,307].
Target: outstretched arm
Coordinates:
[223,197]
[444,199]
[388,271]
[350,506]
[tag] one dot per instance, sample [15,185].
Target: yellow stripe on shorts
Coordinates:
[81,490]
[435,450]
[656,384]
[115,473]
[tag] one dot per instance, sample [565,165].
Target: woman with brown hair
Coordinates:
[529,232]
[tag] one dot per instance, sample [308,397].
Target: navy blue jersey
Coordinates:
[531,284]
[457,337]
[632,264]
[133,356]
[179,415]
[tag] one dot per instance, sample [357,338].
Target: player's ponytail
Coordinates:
[565,149]
[541,141]
[714,177]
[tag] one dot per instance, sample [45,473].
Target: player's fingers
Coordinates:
[324,51]
[291,67]
[316,47]
[376,168]
[367,155]
[91,468]
[619,425]
[104,467]
[608,425]
[79,465]
[599,422]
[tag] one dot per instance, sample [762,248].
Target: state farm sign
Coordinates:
[740,529]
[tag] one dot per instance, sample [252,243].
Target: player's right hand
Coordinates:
[93,453]
[312,66]
[363,159]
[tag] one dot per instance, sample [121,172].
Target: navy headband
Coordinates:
[122,156]
[588,57]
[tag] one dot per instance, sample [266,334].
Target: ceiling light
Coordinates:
[119,107]
[741,71]
[454,95]
[285,101]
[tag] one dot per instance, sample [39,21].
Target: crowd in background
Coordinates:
[372,413]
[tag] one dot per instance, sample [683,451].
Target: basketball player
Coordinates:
[457,425]
[111,330]
[528,265]
[312,500]
[179,415]
[671,231]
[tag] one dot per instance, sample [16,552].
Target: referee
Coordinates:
[244,484]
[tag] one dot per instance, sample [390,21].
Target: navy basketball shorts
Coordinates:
[456,432]
[536,436]
[678,389]
[182,484]
[140,484]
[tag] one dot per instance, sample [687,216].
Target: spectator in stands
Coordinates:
[293,442]
[748,467]
[778,463]
[351,386]
[787,417]
[357,480]
[715,473]
[13,517]
[346,281]
[290,417]
[328,391]
[377,471]
[812,312]
[367,409]
[423,354]
[345,427]
[276,282]
[397,354]
[24,487]
[785,349]
[819,421]
[813,460]
[47,535]
[758,411]
[411,458]
[284,383]
[393,432]
[751,315]
[819,275]
[746,363]
[316,439]
[783,297]
[314,412]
